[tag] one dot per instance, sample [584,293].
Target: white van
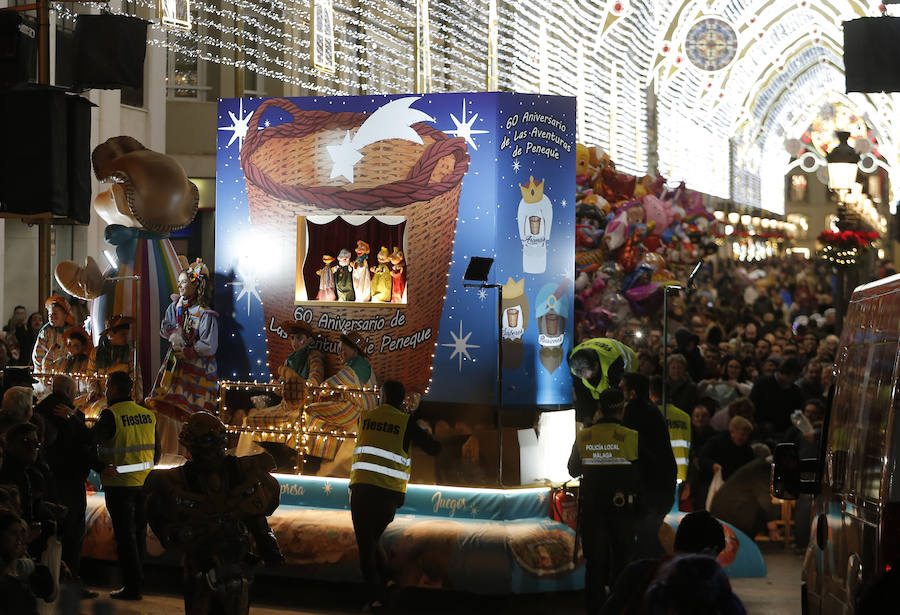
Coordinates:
[855,533]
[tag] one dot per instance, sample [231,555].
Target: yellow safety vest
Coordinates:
[131,448]
[379,458]
[608,350]
[607,444]
[679,423]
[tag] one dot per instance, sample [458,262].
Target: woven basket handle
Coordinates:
[414,188]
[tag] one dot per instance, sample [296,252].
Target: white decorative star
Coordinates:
[464,128]
[563,203]
[239,125]
[249,286]
[345,156]
[482,294]
[461,345]
[267,123]
[516,165]
[327,488]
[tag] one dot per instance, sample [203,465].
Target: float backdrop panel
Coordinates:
[456,169]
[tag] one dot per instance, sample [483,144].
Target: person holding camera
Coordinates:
[605,455]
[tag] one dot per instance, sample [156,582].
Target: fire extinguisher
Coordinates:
[564,506]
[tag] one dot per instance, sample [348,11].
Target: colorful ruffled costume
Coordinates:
[343,412]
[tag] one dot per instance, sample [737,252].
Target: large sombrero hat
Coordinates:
[81,335]
[147,187]
[297,326]
[60,302]
[355,340]
[118,321]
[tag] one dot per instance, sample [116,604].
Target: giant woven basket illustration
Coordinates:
[287,170]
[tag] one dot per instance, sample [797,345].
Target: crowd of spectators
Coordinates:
[46,451]
[750,357]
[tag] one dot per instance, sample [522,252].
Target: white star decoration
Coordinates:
[345,157]
[327,488]
[563,203]
[239,125]
[482,294]
[464,128]
[461,345]
[249,286]
[516,165]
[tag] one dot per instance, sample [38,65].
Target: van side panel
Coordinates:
[860,438]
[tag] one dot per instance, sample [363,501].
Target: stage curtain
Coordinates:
[330,238]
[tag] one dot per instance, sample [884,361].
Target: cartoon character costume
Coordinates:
[107,358]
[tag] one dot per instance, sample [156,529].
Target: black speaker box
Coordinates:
[109,51]
[17,49]
[872,54]
[45,164]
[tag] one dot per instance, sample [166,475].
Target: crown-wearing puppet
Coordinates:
[50,347]
[187,381]
[148,195]
[535,219]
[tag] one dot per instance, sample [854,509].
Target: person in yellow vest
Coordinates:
[378,477]
[127,448]
[605,456]
[597,364]
[679,423]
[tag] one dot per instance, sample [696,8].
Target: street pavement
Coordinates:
[776,594]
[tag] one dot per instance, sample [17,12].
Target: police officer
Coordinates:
[596,364]
[127,448]
[378,477]
[605,456]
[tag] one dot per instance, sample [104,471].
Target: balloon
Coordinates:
[659,212]
[645,299]
[653,261]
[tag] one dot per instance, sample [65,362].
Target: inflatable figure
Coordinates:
[148,196]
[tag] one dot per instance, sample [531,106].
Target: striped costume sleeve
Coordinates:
[316,368]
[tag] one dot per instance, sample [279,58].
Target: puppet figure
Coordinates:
[381,278]
[398,277]
[343,277]
[362,280]
[326,280]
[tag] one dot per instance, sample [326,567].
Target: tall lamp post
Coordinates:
[843,164]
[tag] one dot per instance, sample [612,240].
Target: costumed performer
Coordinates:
[597,364]
[50,346]
[78,352]
[112,354]
[213,510]
[343,410]
[187,381]
[303,368]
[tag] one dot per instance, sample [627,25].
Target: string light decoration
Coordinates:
[291,432]
[843,248]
